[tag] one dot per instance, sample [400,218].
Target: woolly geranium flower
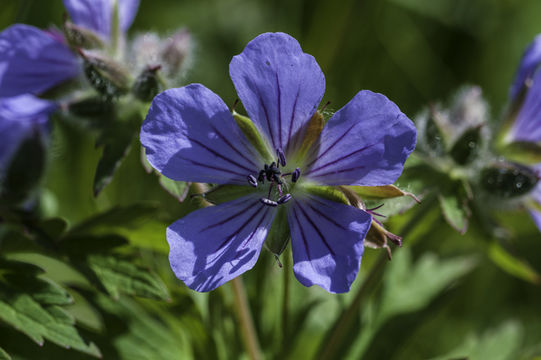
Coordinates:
[33,60]
[189,134]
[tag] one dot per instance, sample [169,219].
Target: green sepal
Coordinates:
[380,192]
[327,192]
[177,189]
[279,234]
[250,131]
[148,84]
[466,148]
[224,193]
[508,180]
[522,152]
[311,135]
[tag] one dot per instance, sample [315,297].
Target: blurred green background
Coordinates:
[413,51]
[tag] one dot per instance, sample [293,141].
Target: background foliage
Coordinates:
[444,295]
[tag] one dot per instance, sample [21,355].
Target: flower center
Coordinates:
[273,174]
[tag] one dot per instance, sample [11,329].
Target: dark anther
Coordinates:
[284,199]
[268,202]
[281,157]
[296,174]
[277,179]
[252,180]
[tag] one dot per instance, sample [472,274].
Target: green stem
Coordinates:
[348,316]
[245,319]
[285,298]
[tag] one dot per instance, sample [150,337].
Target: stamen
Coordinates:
[284,199]
[281,157]
[268,202]
[296,174]
[252,180]
[261,176]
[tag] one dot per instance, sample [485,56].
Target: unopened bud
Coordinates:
[79,37]
[508,179]
[175,51]
[147,85]
[90,107]
[108,77]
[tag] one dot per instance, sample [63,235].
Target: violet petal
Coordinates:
[327,242]
[279,86]
[364,143]
[190,135]
[33,61]
[213,245]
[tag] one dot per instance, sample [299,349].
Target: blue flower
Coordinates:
[21,117]
[190,135]
[33,60]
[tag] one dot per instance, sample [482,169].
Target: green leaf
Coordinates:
[118,217]
[455,213]
[116,139]
[513,265]
[501,343]
[178,189]
[119,276]
[409,287]
[54,228]
[4,355]
[31,305]
[82,245]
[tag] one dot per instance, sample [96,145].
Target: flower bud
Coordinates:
[508,179]
[90,107]
[79,37]
[175,51]
[108,77]
[148,84]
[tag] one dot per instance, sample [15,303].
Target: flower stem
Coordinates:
[285,298]
[245,319]
[348,316]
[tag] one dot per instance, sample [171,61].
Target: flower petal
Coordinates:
[213,245]
[536,195]
[364,143]
[20,118]
[527,126]
[97,15]
[190,135]
[327,242]
[278,84]
[528,65]
[33,61]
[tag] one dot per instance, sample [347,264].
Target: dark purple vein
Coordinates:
[212,167]
[266,117]
[215,153]
[326,217]
[231,146]
[279,95]
[338,160]
[316,229]
[331,146]
[339,171]
[233,216]
[303,237]
[288,145]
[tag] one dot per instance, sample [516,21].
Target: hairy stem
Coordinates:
[245,319]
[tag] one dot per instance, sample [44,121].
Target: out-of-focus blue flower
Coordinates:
[21,117]
[190,135]
[527,68]
[97,15]
[527,124]
[33,60]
